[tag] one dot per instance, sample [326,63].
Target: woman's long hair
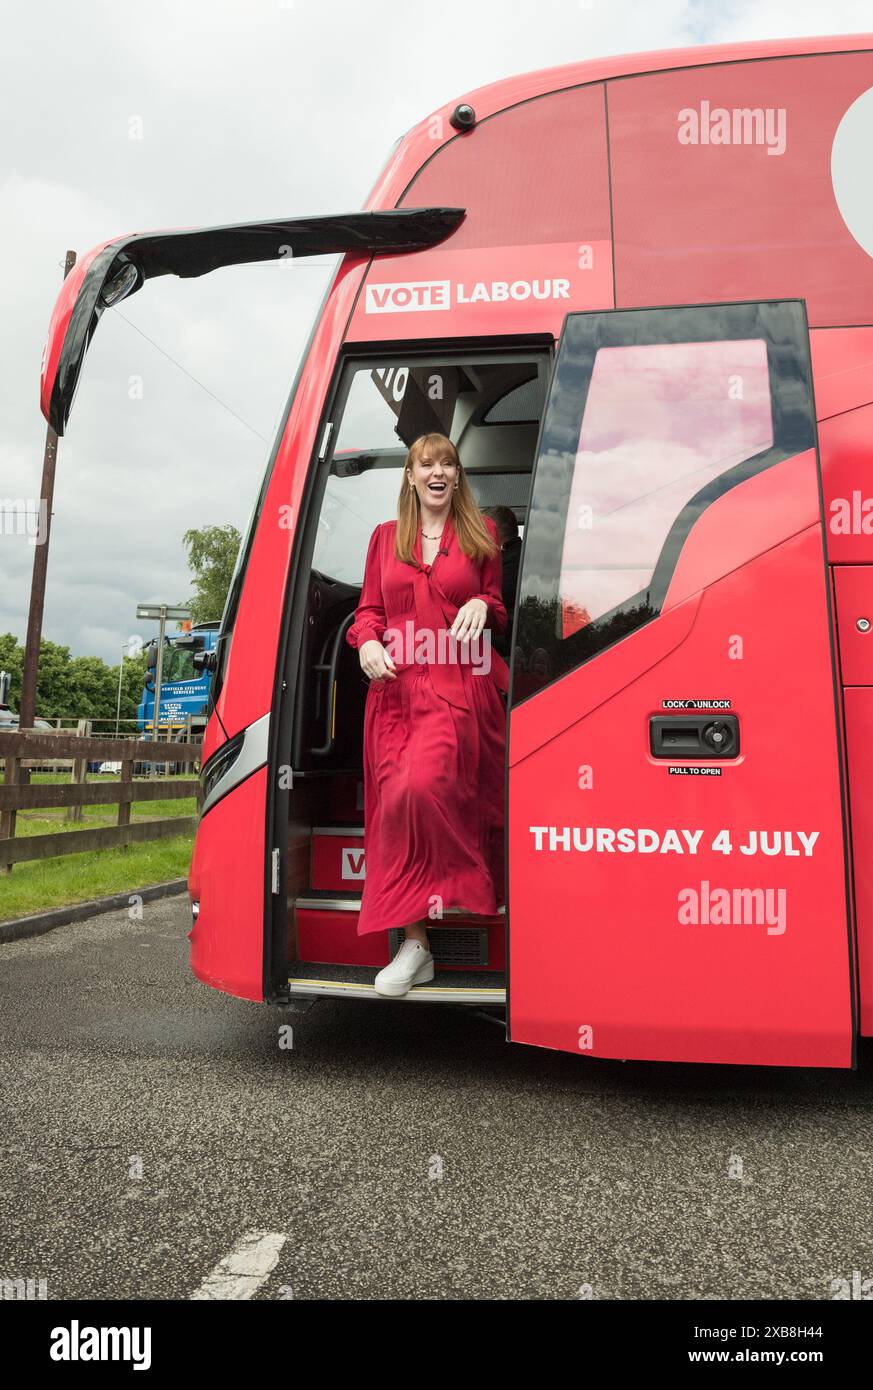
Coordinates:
[474,538]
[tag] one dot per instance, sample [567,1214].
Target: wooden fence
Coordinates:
[30,749]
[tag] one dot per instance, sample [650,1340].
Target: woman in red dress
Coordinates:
[434,720]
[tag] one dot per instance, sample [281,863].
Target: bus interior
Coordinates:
[490,405]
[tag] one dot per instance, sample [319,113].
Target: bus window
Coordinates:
[768,207]
[660,422]
[650,419]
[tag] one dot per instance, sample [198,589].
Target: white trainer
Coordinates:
[412,965]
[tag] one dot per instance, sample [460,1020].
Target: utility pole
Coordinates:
[124,652]
[27,708]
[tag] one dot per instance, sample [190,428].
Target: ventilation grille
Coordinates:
[501,490]
[450,945]
[522,405]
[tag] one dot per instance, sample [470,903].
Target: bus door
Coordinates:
[116,269]
[237,879]
[677,847]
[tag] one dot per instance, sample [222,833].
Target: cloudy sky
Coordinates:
[247,109]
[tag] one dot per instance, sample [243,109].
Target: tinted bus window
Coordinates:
[748,181]
[659,423]
[533,174]
[653,414]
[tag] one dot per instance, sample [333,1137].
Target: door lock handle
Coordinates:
[694,736]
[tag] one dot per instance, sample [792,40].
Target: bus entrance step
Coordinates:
[307,979]
[337,856]
[326,921]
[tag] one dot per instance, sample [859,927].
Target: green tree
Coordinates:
[55,692]
[94,692]
[212,552]
[84,687]
[79,687]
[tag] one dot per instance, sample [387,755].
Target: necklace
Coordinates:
[432,538]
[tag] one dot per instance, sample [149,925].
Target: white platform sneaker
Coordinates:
[412,965]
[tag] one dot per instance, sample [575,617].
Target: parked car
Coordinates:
[9,722]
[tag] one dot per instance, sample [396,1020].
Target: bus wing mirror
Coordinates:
[205,661]
[116,269]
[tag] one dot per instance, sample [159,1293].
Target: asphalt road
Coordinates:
[151,1128]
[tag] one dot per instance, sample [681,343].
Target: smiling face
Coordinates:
[434,477]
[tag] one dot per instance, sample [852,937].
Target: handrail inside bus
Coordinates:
[331,668]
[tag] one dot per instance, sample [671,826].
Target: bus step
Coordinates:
[326,926]
[308,980]
[337,856]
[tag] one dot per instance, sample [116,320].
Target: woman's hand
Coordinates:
[375,662]
[470,620]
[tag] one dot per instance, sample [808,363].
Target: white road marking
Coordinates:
[241,1273]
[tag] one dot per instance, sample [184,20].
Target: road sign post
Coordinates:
[161,611]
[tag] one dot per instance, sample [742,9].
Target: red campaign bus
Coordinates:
[637,293]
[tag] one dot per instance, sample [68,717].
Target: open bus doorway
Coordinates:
[490,405]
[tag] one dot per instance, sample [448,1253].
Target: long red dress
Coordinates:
[434,738]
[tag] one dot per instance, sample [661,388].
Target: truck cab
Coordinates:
[185,681]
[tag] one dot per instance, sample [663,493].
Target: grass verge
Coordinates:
[75,878]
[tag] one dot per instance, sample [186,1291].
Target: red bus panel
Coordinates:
[536,241]
[859,741]
[737,180]
[227,881]
[678,906]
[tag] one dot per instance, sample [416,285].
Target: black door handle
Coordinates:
[694,736]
